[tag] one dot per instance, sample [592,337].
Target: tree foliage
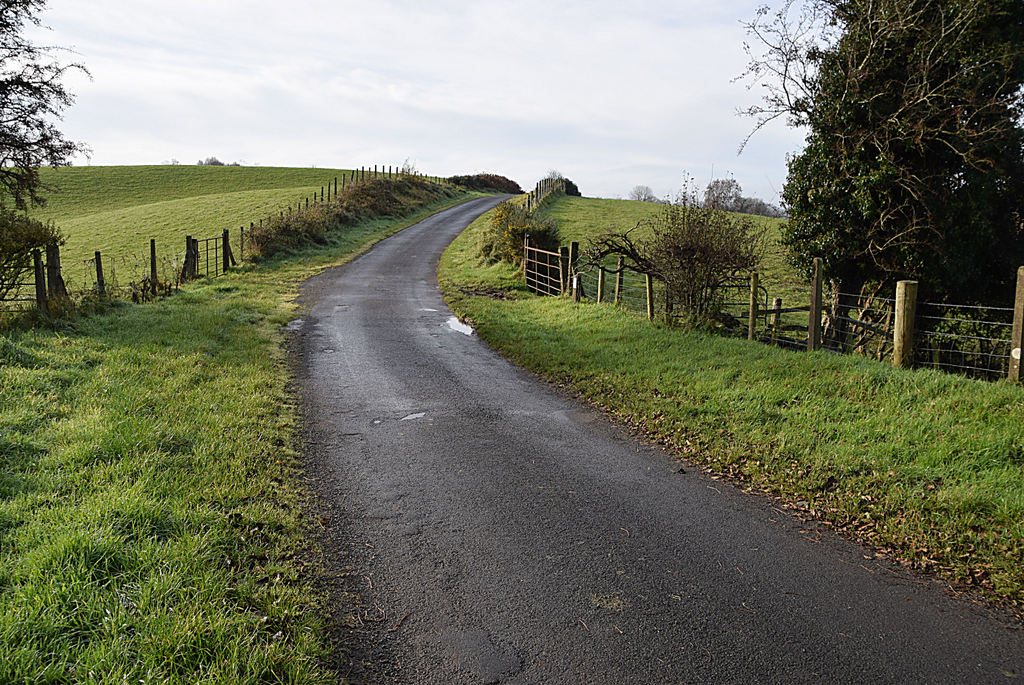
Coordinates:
[32,97]
[726,193]
[641,193]
[487,182]
[19,235]
[914,160]
[571,189]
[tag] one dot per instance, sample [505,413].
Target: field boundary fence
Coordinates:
[155,274]
[974,340]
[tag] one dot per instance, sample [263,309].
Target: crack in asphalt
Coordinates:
[502,533]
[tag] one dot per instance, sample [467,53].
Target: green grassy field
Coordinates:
[151,520]
[925,466]
[582,219]
[117,210]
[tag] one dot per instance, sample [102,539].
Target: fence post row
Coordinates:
[814,318]
[903,333]
[1018,328]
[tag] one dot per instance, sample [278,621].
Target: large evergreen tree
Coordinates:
[914,163]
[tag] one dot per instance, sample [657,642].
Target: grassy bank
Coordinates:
[151,526]
[925,466]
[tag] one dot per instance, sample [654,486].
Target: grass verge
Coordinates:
[924,466]
[151,523]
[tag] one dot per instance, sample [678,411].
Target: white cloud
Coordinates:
[612,94]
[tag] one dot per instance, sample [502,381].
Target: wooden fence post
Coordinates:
[55,287]
[335,188]
[752,318]
[101,284]
[903,333]
[225,251]
[186,268]
[1018,328]
[577,283]
[814,318]
[37,265]
[153,265]
[563,263]
[600,284]
[776,317]
[650,296]
[618,279]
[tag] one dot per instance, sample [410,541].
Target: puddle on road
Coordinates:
[456,325]
[413,417]
[294,325]
[427,309]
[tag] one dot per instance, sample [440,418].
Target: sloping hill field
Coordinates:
[117,210]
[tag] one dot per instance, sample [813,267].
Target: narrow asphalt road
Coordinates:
[498,532]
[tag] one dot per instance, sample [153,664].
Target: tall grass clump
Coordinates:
[510,224]
[366,201]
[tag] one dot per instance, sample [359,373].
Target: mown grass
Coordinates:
[925,466]
[117,210]
[151,522]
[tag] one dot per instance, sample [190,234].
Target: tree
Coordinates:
[723,193]
[642,194]
[571,188]
[914,159]
[32,97]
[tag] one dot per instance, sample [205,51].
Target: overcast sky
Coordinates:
[610,93]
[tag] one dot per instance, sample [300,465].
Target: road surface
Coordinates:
[496,531]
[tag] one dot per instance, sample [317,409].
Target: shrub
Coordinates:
[694,250]
[19,235]
[510,224]
[488,183]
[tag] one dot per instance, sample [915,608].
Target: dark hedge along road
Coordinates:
[497,531]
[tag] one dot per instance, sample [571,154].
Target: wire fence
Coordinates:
[974,340]
[135,276]
[969,339]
